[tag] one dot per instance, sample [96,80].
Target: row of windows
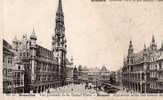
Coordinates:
[136,68]
[105,77]
[132,60]
[134,76]
[133,68]
[161,65]
[6,72]
[7,84]
[18,82]
[45,77]
[41,52]
[46,67]
[154,85]
[161,75]
[156,66]
[154,75]
[18,74]
[153,67]
[45,57]
[27,67]
[7,60]
[25,54]
[137,76]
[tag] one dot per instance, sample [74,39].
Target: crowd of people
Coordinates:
[72,90]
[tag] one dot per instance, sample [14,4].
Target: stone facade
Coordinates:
[83,74]
[142,70]
[8,64]
[33,68]
[96,76]
[104,75]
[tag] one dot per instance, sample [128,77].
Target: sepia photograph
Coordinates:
[82,48]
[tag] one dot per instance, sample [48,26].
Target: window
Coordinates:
[9,70]
[155,66]
[160,66]
[4,72]
[21,82]
[19,67]
[9,61]
[143,76]
[20,54]
[18,75]
[24,54]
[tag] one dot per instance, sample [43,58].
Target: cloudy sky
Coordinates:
[98,33]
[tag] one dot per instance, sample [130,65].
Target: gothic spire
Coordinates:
[59,18]
[33,32]
[153,39]
[33,35]
[59,10]
[145,49]
[145,53]
[145,46]
[130,49]
[153,44]
[130,45]
[59,39]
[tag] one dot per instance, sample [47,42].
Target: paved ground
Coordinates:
[72,89]
[78,90]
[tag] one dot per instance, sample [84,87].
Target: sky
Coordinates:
[97,33]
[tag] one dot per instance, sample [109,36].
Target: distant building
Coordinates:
[83,74]
[113,76]
[94,75]
[99,76]
[75,75]
[119,77]
[69,71]
[142,71]
[104,75]
[69,74]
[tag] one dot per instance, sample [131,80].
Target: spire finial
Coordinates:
[59,6]
[145,48]
[33,30]
[130,41]
[130,45]
[153,39]
[33,35]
